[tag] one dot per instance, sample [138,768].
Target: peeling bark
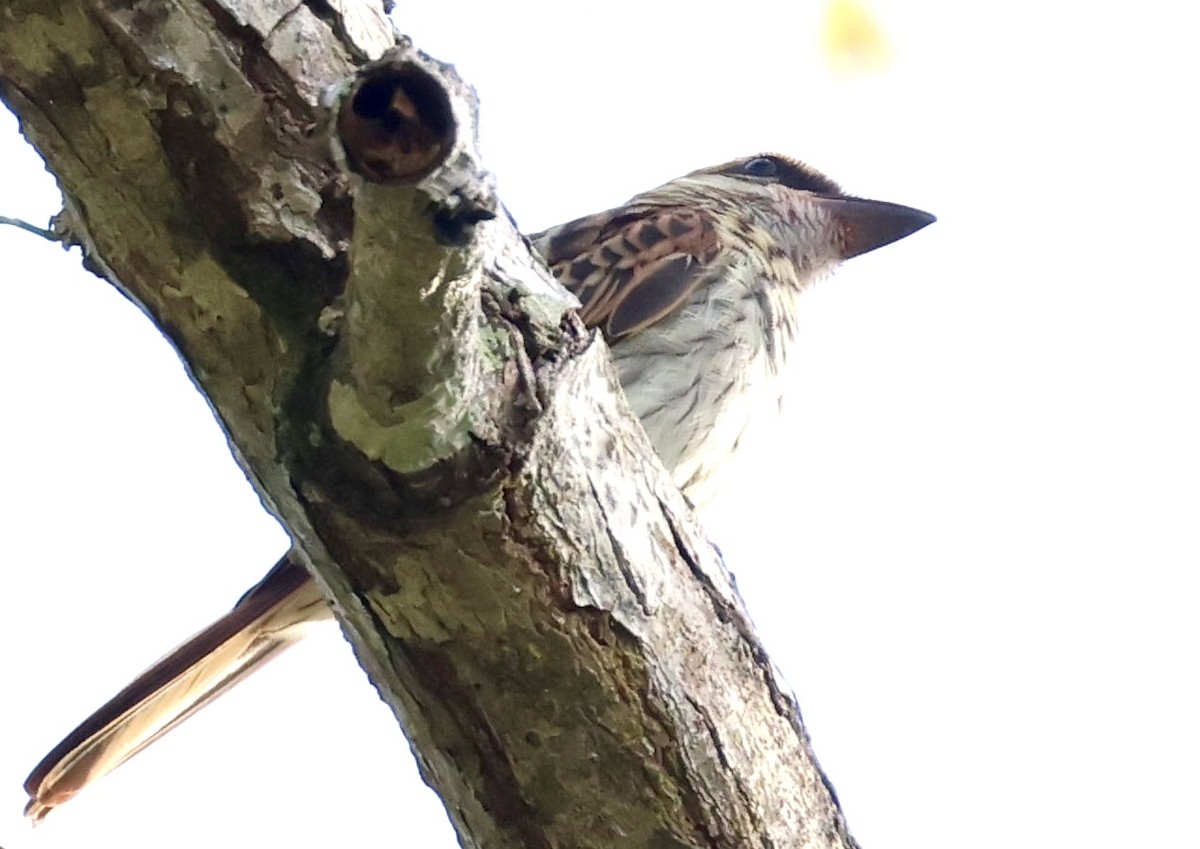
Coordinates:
[415,399]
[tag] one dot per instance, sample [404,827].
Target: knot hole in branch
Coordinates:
[397,124]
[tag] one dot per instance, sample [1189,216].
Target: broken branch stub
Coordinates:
[425,394]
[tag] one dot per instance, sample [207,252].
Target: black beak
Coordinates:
[864,225]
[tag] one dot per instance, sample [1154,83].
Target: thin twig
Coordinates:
[48,235]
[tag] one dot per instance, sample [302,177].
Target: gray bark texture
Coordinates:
[415,399]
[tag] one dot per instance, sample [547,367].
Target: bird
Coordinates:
[694,285]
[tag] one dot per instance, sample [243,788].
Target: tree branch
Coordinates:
[414,398]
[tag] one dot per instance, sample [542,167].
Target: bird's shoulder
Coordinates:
[631,267]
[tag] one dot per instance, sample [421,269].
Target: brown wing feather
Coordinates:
[632,269]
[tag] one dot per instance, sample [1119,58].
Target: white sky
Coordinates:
[972,549]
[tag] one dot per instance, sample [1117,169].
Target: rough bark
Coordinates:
[416,401]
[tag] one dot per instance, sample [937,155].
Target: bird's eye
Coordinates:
[763,166]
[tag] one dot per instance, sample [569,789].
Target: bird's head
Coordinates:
[774,203]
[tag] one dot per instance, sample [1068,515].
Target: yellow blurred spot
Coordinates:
[852,39]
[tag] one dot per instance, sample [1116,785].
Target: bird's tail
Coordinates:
[266,620]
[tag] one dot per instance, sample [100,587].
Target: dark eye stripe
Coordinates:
[782,170]
[762,166]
